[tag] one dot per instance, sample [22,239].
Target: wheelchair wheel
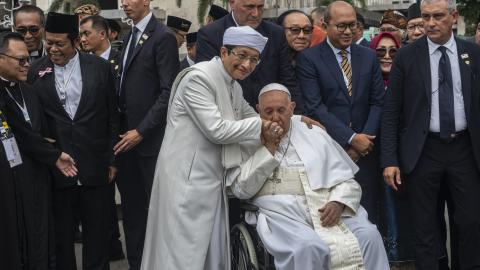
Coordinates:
[243,249]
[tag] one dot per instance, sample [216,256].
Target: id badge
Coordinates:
[13,153]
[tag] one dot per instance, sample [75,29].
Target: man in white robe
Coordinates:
[309,203]
[207,118]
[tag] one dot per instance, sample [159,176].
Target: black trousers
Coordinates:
[94,208]
[453,165]
[134,181]
[371,180]
[115,243]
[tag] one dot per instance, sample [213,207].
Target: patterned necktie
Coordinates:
[347,70]
[445,96]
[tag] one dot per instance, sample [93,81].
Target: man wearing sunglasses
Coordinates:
[29,21]
[342,87]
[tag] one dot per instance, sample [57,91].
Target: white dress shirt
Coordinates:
[459,107]
[106,53]
[190,61]
[68,83]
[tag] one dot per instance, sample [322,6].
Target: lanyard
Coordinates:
[23,107]
[62,89]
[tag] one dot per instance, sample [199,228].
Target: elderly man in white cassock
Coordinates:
[207,118]
[309,203]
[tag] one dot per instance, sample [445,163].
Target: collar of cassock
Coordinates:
[7,82]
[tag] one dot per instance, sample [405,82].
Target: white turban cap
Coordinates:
[244,36]
[274,87]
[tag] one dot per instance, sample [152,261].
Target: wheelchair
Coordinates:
[248,252]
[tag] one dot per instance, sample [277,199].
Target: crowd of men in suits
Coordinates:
[82,110]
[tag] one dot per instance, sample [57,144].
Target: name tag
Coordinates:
[11,150]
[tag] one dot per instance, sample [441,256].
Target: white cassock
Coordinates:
[308,170]
[187,218]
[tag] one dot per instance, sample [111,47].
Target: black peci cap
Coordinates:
[414,12]
[178,23]
[61,23]
[191,37]
[217,12]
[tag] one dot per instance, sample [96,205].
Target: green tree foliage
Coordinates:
[470,10]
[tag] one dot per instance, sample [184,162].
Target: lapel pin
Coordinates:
[464,56]
[145,36]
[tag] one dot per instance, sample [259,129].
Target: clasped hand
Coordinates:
[271,135]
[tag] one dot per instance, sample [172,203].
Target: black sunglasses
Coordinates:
[381,52]
[307,30]
[21,61]
[32,29]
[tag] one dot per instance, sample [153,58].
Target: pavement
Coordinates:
[123,264]
[116,265]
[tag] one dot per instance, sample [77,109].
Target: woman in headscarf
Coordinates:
[394,227]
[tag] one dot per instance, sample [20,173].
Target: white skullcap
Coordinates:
[274,87]
[244,36]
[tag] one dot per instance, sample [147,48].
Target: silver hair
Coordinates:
[452,4]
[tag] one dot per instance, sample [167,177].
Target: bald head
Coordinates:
[336,8]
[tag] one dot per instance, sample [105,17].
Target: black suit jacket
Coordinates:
[406,115]
[147,80]
[274,65]
[113,59]
[326,95]
[89,138]
[365,43]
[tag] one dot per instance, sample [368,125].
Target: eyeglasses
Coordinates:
[307,30]
[242,57]
[21,61]
[343,26]
[388,29]
[32,29]
[381,52]
[412,27]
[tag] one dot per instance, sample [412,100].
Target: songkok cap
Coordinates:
[88,9]
[217,12]
[414,12]
[274,87]
[191,37]
[114,25]
[244,36]
[395,18]
[178,23]
[61,23]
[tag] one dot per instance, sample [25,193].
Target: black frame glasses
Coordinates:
[23,30]
[342,27]
[252,60]
[21,61]
[307,30]
[412,27]
[381,52]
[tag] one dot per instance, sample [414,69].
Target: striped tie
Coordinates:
[347,70]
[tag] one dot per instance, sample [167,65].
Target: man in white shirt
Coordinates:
[77,94]
[430,127]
